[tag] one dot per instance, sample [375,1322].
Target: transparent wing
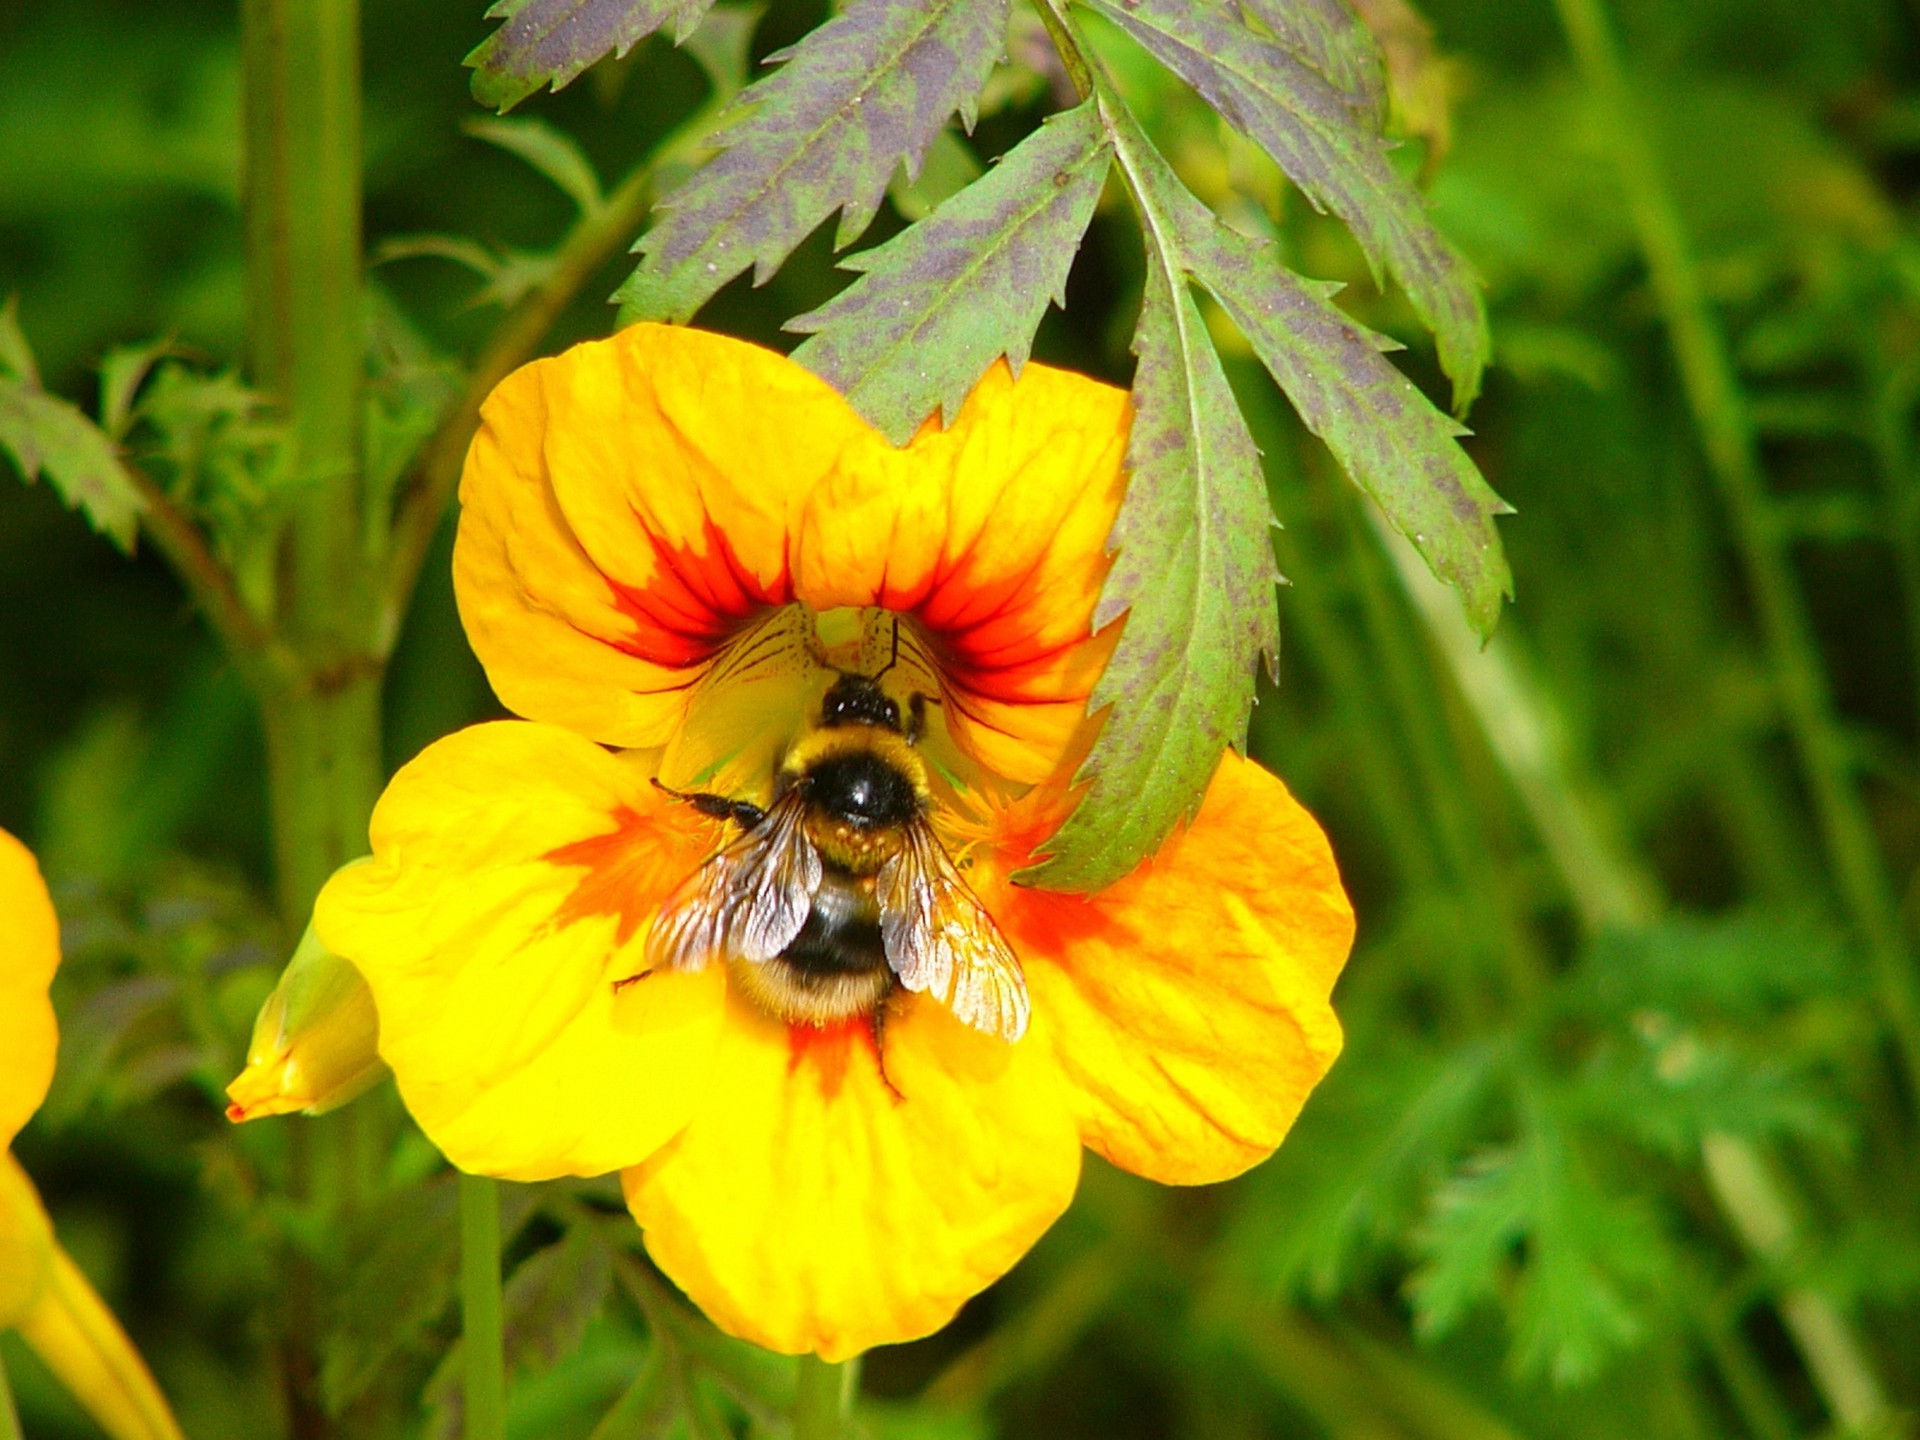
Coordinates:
[942,942]
[748,902]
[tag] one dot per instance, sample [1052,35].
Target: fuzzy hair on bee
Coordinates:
[839,892]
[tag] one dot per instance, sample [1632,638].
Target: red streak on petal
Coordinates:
[632,868]
[828,1049]
[694,601]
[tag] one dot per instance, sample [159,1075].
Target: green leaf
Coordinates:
[940,302]
[1193,573]
[46,435]
[550,42]
[1367,1151]
[552,152]
[1583,1261]
[825,132]
[1337,157]
[1394,443]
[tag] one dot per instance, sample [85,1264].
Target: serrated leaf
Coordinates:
[1331,38]
[1337,158]
[940,302]
[550,42]
[1581,1261]
[1379,1140]
[868,89]
[47,436]
[1193,573]
[1394,443]
[552,152]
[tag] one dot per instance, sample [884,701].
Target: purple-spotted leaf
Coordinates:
[1193,572]
[1389,438]
[825,132]
[549,42]
[1330,36]
[941,301]
[1338,160]
[46,435]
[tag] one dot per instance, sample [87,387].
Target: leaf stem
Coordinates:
[1066,44]
[823,1398]
[1727,436]
[482,1332]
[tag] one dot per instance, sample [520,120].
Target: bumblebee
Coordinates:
[839,891]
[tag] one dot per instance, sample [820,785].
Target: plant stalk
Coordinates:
[482,1322]
[823,1398]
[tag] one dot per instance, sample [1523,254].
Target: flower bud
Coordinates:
[315,1044]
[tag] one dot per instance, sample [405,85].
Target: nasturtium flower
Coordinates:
[670,545]
[43,1294]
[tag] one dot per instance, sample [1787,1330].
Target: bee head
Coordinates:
[858,700]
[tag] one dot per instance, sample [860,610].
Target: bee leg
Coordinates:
[627,980]
[743,813]
[879,1018]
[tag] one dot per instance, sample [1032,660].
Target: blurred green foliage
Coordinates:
[1619,1102]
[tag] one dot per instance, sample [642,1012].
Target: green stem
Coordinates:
[324,771]
[823,1398]
[1066,44]
[9,1416]
[1727,435]
[480,1309]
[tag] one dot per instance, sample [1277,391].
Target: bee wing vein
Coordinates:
[746,903]
[940,940]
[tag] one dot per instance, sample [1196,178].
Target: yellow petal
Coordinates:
[29,954]
[75,1335]
[808,1207]
[625,507]
[315,1043]
[26,1243]
[514,872]
[993,535]
[631,505]
[1189,1003]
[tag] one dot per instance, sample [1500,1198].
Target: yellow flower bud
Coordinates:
[315,1043]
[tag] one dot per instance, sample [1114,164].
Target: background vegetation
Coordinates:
[1625,1141]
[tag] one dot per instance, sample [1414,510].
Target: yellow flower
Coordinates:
[42,1292]
[654,527]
